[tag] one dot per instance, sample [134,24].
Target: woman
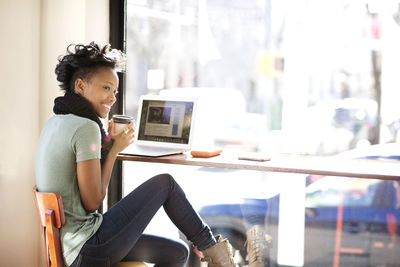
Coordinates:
[75,156]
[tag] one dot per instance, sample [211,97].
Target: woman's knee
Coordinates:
[164,176]
[182,250]
[164,179]
[185,253]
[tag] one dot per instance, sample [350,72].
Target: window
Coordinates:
[304,77]
[335,191]
[313,81]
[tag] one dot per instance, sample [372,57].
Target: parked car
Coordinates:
[369,234]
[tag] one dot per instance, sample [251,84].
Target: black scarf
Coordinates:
[72,103]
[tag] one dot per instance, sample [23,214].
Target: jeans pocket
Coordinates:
[88,261]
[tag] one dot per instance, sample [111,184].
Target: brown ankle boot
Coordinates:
[219,255]
[258,244]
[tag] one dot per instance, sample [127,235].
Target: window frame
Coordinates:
[117,40]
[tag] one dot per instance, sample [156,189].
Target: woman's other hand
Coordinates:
[122,139]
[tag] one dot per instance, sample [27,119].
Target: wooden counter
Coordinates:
[375,169]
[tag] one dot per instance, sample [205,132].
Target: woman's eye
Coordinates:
[108,88]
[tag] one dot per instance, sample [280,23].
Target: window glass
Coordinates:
[301,80]
[287,77]
[333,191]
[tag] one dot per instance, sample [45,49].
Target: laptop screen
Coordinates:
[165,121]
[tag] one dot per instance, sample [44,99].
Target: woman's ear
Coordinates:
[79,86]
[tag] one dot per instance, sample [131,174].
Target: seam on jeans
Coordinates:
[122,229]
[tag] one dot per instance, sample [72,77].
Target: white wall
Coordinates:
[19,47]
[64,22]
[33,34]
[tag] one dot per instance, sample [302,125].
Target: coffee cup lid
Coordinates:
[122,119]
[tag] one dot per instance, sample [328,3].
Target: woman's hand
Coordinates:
[122,139]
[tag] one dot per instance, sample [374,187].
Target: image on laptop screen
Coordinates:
[165,121]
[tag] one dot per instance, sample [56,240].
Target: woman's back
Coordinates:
[64,140]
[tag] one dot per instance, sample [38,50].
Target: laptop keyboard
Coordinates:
[149,151]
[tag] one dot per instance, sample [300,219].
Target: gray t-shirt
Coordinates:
[64,141]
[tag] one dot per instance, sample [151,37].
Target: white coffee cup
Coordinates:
[121,122]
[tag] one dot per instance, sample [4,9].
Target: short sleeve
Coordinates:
[86,142]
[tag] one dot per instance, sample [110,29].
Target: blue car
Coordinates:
[348,221]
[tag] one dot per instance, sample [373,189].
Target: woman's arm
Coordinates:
[93,179]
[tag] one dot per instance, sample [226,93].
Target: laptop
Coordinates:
[164,126]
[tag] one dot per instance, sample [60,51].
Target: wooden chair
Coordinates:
[50,209]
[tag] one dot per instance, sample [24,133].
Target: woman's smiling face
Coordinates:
[100,89]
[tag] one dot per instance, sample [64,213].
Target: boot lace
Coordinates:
[257,245]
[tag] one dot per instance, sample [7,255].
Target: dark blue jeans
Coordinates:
[120,236]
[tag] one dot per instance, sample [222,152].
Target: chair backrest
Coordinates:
[50,210]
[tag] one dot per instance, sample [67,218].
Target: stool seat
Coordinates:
[131,264]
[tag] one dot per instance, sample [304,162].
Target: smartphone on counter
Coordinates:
[255,156]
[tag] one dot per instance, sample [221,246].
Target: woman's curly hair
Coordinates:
[81,61]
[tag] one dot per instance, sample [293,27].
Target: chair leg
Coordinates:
[53,240]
